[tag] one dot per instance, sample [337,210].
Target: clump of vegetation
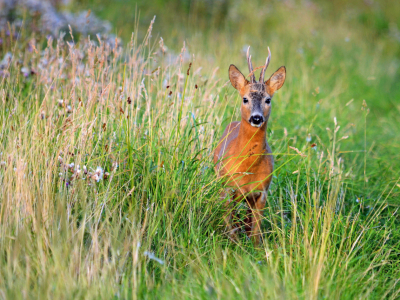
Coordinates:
[49,18]
[106,174]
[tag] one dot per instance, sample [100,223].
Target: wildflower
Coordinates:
[25,71]
[60,102]
[69,109]
[308,139]
[77,172]
[99,171]
[6,60]
[95,177]
[98,174]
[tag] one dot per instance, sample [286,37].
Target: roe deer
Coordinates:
[243,156]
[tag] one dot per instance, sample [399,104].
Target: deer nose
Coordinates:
[256,119]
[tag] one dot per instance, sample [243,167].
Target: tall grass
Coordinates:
[108,188]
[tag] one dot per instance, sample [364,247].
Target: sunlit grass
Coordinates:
[107,180]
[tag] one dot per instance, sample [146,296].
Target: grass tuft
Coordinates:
[107,183]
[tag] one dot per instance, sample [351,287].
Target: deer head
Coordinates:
[256,96]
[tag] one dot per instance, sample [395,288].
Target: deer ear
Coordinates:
[237,78]
[276,81]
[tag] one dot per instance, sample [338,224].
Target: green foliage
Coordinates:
[143,218]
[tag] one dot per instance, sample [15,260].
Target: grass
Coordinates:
[144,220]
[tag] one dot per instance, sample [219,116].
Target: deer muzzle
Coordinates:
[256,120]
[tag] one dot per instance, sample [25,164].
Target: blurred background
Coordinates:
[332,36]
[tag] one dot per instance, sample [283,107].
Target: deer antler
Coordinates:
[265,67]
[252,77]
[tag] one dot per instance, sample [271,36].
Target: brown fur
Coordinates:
[243,156]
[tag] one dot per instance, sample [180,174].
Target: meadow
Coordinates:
[108,189]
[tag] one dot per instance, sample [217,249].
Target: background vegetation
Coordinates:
[106,175]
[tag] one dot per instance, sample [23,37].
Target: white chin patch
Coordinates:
[256,125]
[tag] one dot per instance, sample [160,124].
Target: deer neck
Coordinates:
[251,139]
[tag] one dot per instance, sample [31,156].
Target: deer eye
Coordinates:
[268,100]
[245,100]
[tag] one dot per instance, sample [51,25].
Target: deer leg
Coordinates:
[232,232]
[257,209]
[248,221]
